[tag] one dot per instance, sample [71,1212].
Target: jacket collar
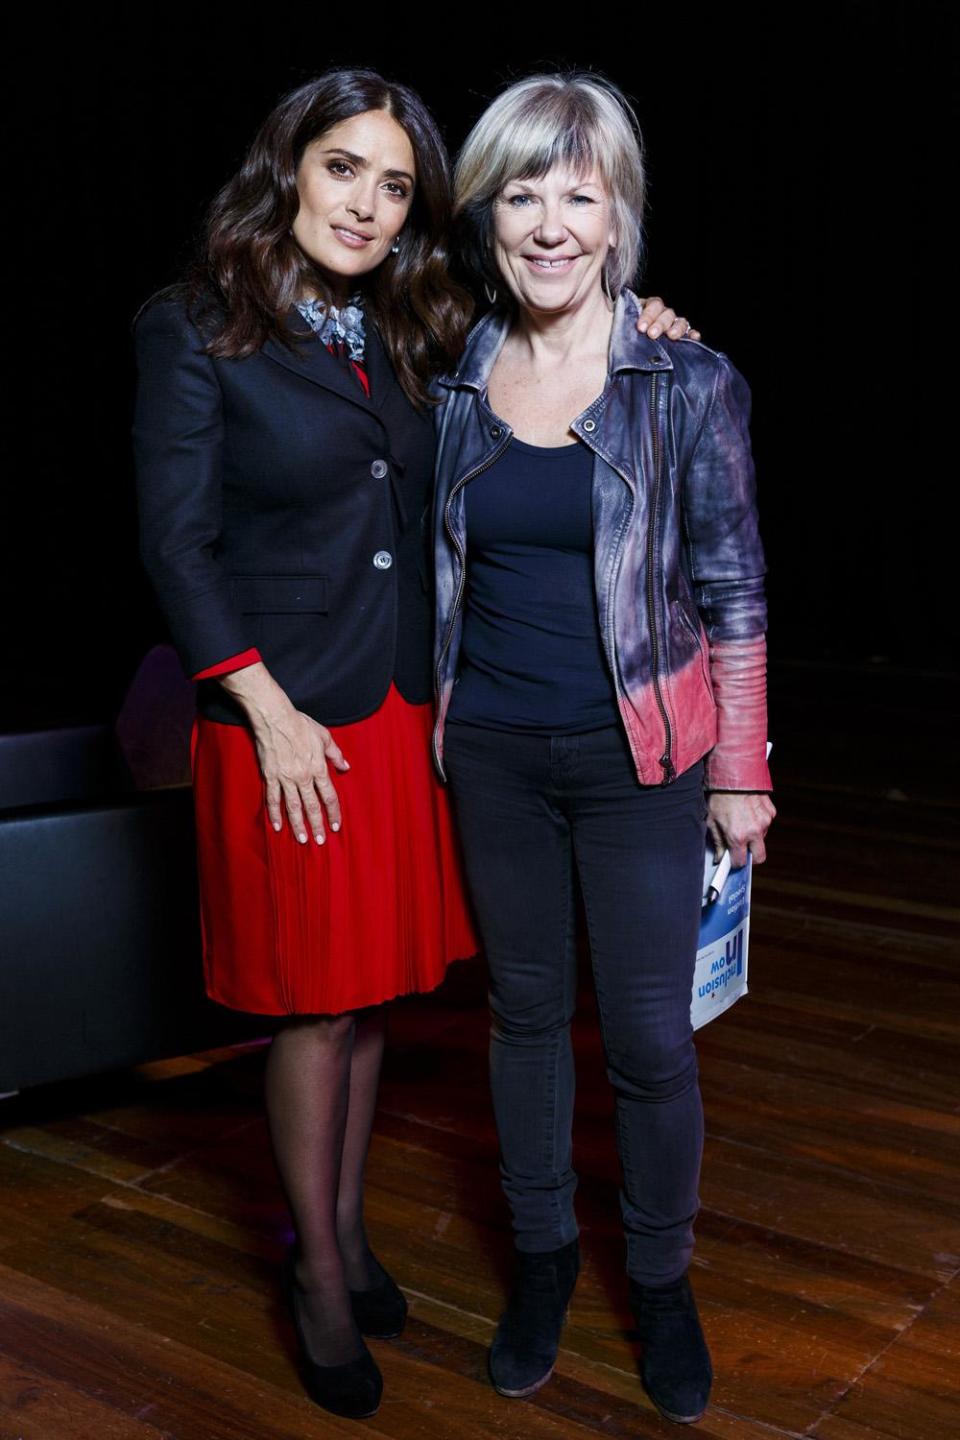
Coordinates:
[311,359]
[629,350]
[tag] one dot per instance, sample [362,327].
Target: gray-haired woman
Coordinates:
[600,664]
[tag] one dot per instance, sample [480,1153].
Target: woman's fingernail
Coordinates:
[276,824]
[319,838]
[302,838]
[335,825]
[655,331]
[643,325]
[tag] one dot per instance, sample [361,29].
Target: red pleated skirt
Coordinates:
[378,911]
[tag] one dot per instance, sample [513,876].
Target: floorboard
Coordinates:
[141,1223]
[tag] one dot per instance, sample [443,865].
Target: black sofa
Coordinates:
[100,963]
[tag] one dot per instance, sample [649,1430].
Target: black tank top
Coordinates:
[531,658]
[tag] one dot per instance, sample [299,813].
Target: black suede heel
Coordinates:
[381,1312]
[675,1363]
[352,1389]
[524,1349]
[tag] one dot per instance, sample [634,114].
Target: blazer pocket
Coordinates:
[280,594]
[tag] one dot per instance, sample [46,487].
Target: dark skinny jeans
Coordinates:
[529,809]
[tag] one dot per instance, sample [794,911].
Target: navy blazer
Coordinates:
[282,509]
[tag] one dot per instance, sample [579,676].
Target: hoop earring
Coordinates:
[490,292]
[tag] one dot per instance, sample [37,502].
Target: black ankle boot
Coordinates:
[352,1389]
[675,1364]
[380,1312]
[524,1349]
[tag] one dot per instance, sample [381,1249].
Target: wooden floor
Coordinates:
[141,1225]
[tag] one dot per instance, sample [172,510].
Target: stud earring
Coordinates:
[395,247]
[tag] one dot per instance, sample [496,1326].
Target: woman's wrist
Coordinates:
[262,700]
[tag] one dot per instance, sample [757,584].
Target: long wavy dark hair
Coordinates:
[252,269]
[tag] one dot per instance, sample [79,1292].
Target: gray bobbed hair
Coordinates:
[575,119]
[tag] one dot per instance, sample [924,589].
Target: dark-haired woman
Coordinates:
[284,454]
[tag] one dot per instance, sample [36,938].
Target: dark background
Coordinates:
[800,166]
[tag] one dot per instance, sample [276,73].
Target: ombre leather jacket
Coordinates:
[678,562]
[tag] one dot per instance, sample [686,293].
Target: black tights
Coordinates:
[321,1095]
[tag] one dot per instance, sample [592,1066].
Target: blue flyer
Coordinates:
[720,976]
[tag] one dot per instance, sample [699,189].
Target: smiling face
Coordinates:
[551,238]
[355,183]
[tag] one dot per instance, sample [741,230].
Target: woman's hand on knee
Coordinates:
[739,822]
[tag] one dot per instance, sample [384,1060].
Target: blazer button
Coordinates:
[589,426]
[378,469]
[383,559]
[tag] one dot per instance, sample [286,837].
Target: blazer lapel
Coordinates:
[310,359]
[378,368]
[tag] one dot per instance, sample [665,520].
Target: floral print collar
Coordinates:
[333,325]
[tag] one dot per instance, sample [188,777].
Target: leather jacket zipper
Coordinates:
[611,628]
[458,598]
[666,760]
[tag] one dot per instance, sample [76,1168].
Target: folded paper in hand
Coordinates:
[720,976]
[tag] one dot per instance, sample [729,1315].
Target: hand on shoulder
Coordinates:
[657,318]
